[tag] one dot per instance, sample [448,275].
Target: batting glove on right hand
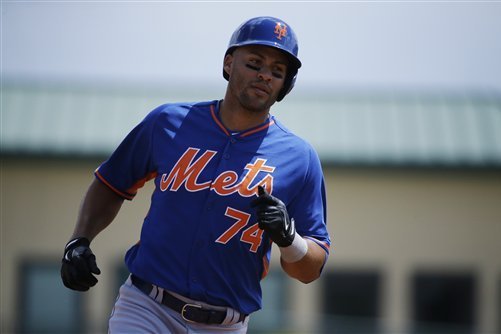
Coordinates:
[79,265]
[273,218]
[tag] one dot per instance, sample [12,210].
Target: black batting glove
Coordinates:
[273,218]
[79,265]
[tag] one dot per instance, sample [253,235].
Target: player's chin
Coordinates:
[257,103]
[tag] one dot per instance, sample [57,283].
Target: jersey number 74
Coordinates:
[252,235]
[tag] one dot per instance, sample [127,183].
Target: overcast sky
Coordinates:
[366,44]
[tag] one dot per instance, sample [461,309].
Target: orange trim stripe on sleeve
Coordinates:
[139,184]
[322,244]
[118,192]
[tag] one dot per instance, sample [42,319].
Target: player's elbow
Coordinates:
[306,279]
[303,275]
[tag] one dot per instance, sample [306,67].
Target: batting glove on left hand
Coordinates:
[273,218]
[79,265]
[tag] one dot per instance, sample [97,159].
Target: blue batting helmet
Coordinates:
[269,31]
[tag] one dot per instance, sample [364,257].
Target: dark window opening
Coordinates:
[352,301]
[443,303]
[46,305]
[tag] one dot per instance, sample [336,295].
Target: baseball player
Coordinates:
[230,180]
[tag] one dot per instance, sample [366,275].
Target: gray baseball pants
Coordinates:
[135,312]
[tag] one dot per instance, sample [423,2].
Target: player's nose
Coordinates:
[265,74]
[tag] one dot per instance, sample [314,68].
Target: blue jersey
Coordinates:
[200,237]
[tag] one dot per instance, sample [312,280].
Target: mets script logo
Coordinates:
[188,168]
[280,30]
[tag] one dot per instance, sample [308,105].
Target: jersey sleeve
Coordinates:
[132,163]
[309,207]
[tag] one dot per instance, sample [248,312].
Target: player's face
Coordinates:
[257,75]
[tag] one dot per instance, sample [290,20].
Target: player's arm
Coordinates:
[301,258]
[308,268]
[99,207]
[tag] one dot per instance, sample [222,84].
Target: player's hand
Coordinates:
[79,265]
[273,218]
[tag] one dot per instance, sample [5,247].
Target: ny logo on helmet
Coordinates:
[280,30]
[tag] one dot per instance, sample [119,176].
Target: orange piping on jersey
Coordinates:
[245,134]
[118,192]
[139,184]
[218,122]
[266,267]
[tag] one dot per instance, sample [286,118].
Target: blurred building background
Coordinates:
[402,102]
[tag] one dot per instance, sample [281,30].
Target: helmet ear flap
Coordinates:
[289,82]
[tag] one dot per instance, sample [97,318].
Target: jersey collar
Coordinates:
[214,109]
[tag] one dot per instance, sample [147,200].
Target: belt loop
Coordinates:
[160,295]
[153,292]
[232,317]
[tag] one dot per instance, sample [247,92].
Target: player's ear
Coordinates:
[227,63]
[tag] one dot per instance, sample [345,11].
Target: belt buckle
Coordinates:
[183,311]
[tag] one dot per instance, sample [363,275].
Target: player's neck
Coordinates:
[236,118]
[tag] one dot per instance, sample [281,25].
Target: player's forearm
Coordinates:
[308,268]
[99,207]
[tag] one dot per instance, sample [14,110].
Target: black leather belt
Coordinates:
[189,312]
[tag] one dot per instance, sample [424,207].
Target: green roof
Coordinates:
[355,128]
